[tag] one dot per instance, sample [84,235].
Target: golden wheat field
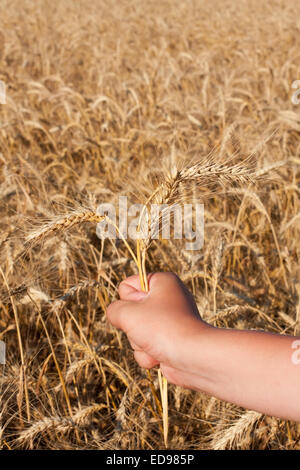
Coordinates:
[187,99]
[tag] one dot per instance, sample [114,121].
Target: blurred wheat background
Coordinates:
[106,98]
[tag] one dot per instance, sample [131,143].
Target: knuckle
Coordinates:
[158,276]
[122,284]
[129,279]
[143,360]
[171,277]
[114,310]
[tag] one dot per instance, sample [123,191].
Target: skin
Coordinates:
[253,369]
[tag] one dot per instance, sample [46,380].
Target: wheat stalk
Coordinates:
[168,193]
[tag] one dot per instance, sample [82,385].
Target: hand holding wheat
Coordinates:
[160,326]
[165,328]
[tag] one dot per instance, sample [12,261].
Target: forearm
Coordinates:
[256,370]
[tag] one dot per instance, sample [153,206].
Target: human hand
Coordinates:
[163,326]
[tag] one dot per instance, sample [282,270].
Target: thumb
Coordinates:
[130,289]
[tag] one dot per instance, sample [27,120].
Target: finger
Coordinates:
[162,281]
[115,313]
[134,346]
[130,293]
[144,360]
[129,285]
[130,288]
[169,281]
[123,314]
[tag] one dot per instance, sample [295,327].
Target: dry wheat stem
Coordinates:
[23,367]
[141,257]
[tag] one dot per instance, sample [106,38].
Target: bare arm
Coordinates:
[256,370]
